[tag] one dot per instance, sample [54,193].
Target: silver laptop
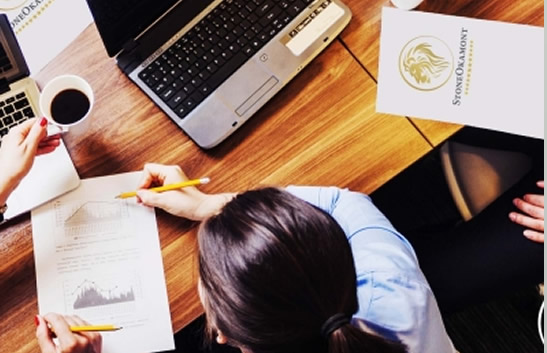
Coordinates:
[51,175]
[211,64]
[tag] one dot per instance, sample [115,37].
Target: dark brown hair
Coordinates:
[273,269]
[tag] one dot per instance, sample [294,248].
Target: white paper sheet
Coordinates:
[481,73]
[45,27]
[57,169]
[100,258]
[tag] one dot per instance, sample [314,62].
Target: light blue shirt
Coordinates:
[395,299]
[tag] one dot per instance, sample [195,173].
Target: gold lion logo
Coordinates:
[426,63]
[11,4]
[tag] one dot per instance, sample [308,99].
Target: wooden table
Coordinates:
[321,129]
[362,36]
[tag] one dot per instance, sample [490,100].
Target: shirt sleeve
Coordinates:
[362,222]
[395,299]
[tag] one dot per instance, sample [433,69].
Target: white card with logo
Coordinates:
[474,72]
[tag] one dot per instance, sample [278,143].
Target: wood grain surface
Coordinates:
[362,36]
[321,129]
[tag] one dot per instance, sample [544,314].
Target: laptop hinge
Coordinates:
[129,46]
[129,59]
[4,85]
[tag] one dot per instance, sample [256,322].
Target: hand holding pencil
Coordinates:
[168,187]
[51,325]
[187,202]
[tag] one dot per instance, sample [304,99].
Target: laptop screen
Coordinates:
[120,21]
[12,64]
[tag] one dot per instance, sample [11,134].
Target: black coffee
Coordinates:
[69,106]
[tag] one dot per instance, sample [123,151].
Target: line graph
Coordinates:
[91,219]
[97,211]
[88,294]
[95,293]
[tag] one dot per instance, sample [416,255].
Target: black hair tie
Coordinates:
[333,323]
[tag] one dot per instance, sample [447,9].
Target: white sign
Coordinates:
[474,72]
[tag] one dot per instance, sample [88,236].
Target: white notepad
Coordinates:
[480,73]
[100,258]
[51,175]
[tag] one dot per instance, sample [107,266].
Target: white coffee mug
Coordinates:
[51,95]
[406,4]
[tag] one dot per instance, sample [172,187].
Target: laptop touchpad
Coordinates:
[255,97]
[247,86]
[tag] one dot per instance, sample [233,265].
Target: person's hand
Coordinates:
[19,147]
[187,202]
[69,342]
[532,217]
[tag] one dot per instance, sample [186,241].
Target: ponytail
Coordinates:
[350,339]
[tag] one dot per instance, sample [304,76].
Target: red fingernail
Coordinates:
[43,122]
[36,321]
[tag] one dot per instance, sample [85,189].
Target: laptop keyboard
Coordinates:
[13,111]
[203,58]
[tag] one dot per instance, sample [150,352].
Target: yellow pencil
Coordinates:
[168,187]
[93,328]
[88,328]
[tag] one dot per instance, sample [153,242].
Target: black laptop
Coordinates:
[210,65]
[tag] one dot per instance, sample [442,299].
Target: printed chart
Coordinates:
[91,219]
[114,294]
